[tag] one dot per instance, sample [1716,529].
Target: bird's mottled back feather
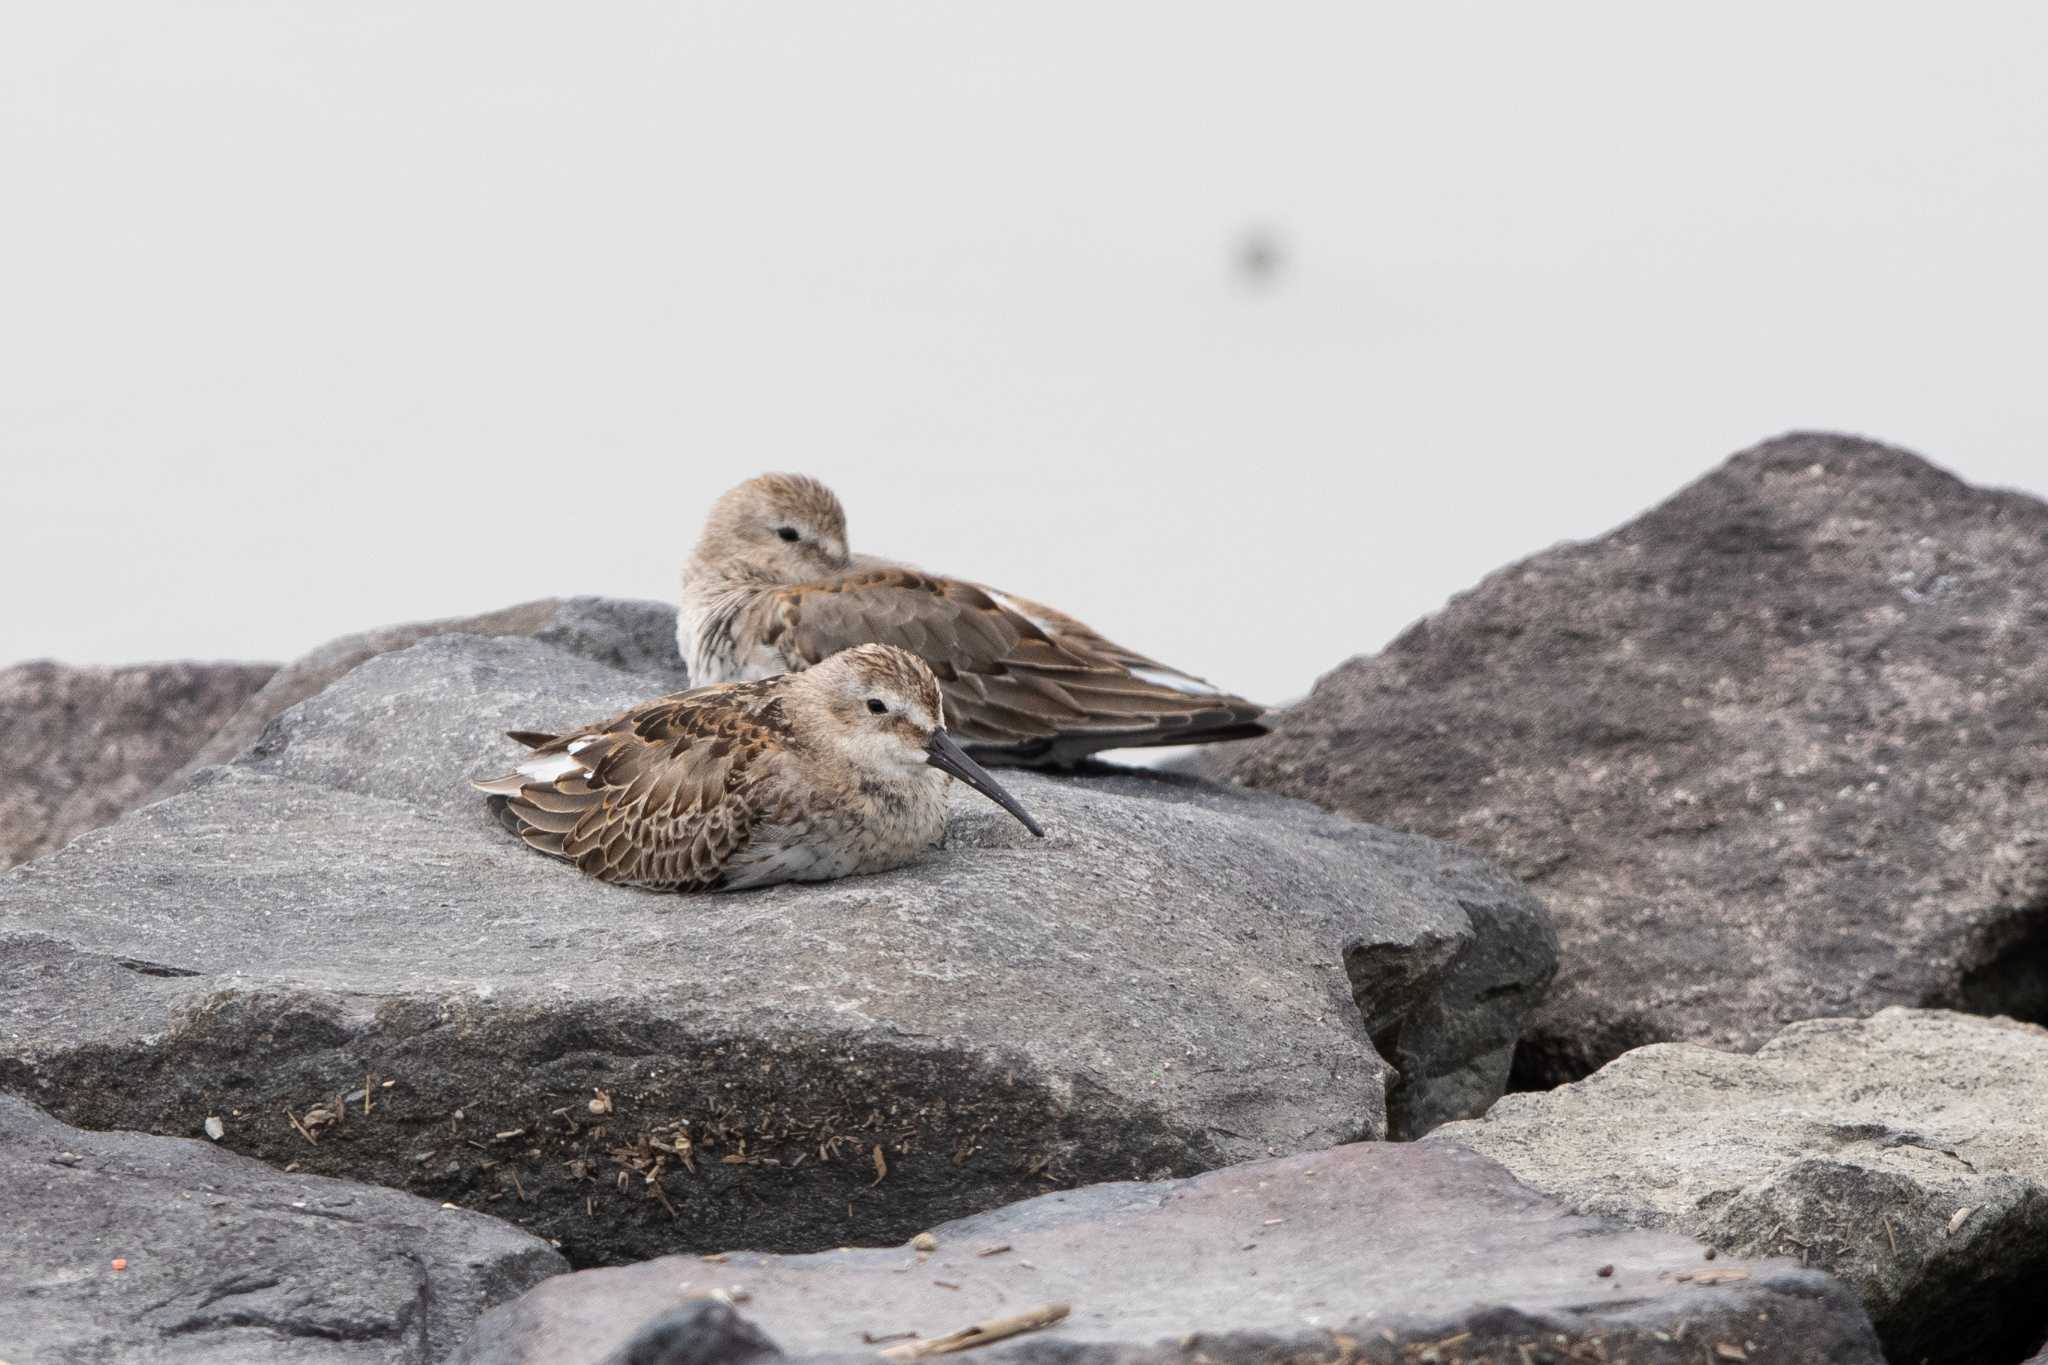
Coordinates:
[664,795]
[1021,681]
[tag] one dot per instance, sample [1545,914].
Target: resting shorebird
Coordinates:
[772,588]
[802,777]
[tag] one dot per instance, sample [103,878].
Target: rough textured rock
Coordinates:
[98,742]
[1364,1253]
[1778,749]
[1907,1154]
[1180,976]
[624,634]
[86,744]
[225,1260]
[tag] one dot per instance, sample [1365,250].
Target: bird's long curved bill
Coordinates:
[948,757]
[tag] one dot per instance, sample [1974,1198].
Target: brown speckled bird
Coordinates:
[833,772]
[772,587]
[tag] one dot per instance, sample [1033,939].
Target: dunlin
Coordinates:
[772,587]
[833,772]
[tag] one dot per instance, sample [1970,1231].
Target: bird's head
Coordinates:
[780,528]
[883,711]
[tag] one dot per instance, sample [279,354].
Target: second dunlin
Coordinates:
[772,586]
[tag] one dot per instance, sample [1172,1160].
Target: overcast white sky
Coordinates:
[319,316]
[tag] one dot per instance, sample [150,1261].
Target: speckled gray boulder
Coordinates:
[92,743]
[1775,750]
[1180,976]
[85,745]
[225,1260]
[1907,1154]
[636,636]
[1371,1254]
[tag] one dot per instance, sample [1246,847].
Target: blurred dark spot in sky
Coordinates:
[1259,257]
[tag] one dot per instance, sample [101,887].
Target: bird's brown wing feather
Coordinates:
[1022,683]
[666,794]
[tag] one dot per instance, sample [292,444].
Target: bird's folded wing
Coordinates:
[659,796]
[1012,672]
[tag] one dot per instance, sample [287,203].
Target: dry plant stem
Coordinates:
[981,1333]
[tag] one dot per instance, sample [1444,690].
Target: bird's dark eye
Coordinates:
[788,533]
[877,706]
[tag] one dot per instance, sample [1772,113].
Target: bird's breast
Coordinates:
[714,638]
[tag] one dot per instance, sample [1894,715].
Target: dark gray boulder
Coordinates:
[1368,1253]
[637,636]
[1906,1154]
[1772,751]
[1179,977]
[223,1260]
[84,745]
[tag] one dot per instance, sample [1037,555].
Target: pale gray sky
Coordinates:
[315,316]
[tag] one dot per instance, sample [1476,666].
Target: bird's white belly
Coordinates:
[789,861]
[854,837]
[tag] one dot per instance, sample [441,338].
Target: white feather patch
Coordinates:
[1010,604]
[552,767]
[1175,682]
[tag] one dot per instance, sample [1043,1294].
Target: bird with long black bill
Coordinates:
[840,770]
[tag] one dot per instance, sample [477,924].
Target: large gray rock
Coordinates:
[1180,976]
[1907,1154]
[84,745]
[223,1260]
[637,636]
[91,744]
[1772,751]
[1372,1252]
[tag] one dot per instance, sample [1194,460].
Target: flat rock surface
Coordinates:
[223,1260]
[1907,1154]
[86,744]
[1775,750]
[1180,976]
[1370,1252]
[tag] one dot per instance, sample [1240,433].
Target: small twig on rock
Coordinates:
[981,1333]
